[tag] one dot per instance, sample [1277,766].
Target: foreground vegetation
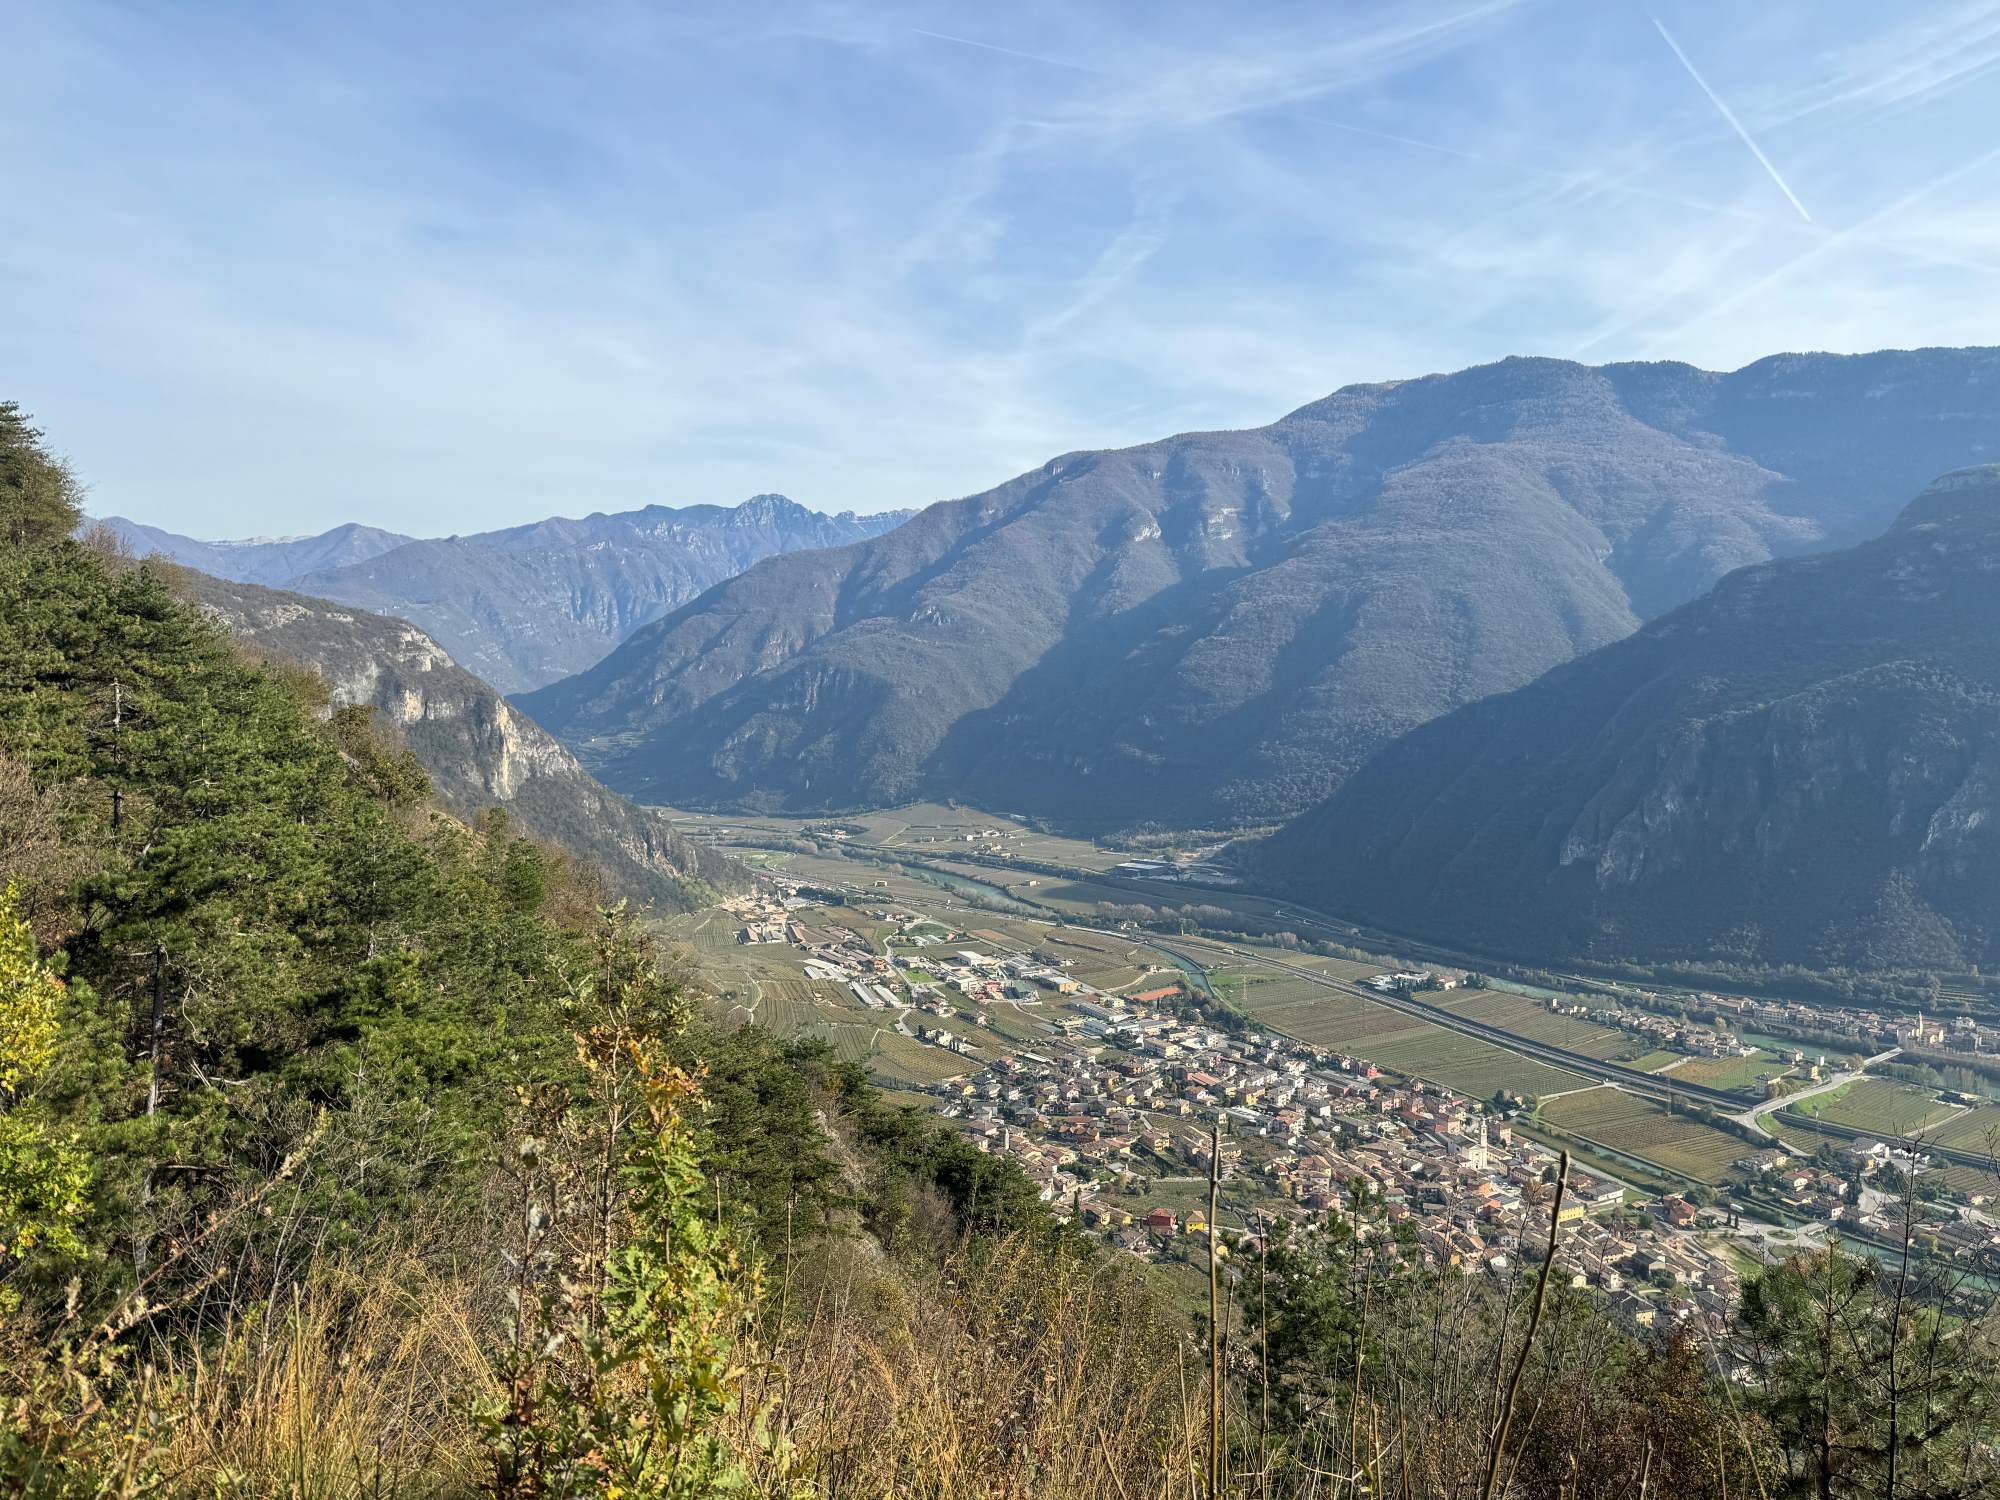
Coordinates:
[347,1150]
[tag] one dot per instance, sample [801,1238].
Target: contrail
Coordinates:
[1729,115]
[1047,62]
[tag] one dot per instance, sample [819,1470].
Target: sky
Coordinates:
[267,267]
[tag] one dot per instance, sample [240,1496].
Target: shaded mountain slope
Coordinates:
[1217,628]
[1801,767]
[480,751]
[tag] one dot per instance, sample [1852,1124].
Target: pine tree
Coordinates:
[40,499]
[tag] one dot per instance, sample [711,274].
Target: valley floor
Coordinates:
[996,975]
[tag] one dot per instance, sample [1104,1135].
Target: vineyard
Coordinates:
[1625,1122]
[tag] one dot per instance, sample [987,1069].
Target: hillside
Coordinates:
[480,752]
[528,604]
[1217,628]
[1801,767]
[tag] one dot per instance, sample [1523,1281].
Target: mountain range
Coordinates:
[479,751]
[271,561]
[1217,629]
[1801,767]
[525,605]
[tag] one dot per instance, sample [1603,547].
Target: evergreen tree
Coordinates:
[40,499]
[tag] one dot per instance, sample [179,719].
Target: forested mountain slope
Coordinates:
[1801,767]
[480,751]
[1219,627]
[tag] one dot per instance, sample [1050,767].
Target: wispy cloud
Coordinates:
[1033,57]
[443,267]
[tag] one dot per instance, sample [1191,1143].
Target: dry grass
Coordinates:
[352,1386]
[1005,1371]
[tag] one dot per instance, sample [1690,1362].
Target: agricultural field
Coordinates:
[1393,1039]
[1974,1182]
[1351,970]
[1653,1062]
[1219,959]
[926,829]
[1973,1130]
[1467,1064]
[1742,1075]
[906,1059]
[1532,1019]
[1263,993]
[1639,1127]
[1329,1018]
[1881,1107]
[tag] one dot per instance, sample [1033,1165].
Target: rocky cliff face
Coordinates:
[480,751]
[1801,767]
[1217,628]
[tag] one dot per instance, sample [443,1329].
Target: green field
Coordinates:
[1625,1122]
[908,1060]
[1881,1107]
[1742,1075]
[1973,1130]
[1650,1062]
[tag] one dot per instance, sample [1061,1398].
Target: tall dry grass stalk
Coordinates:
[353,1386]
[1006,1372]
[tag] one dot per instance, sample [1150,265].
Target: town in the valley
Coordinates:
[1108,1095]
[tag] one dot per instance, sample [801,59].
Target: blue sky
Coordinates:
[268,267]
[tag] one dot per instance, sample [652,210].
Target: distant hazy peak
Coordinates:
[263,560]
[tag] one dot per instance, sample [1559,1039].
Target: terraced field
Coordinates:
[1625,1122]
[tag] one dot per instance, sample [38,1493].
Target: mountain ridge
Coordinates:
[1214,629]
[270,561]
